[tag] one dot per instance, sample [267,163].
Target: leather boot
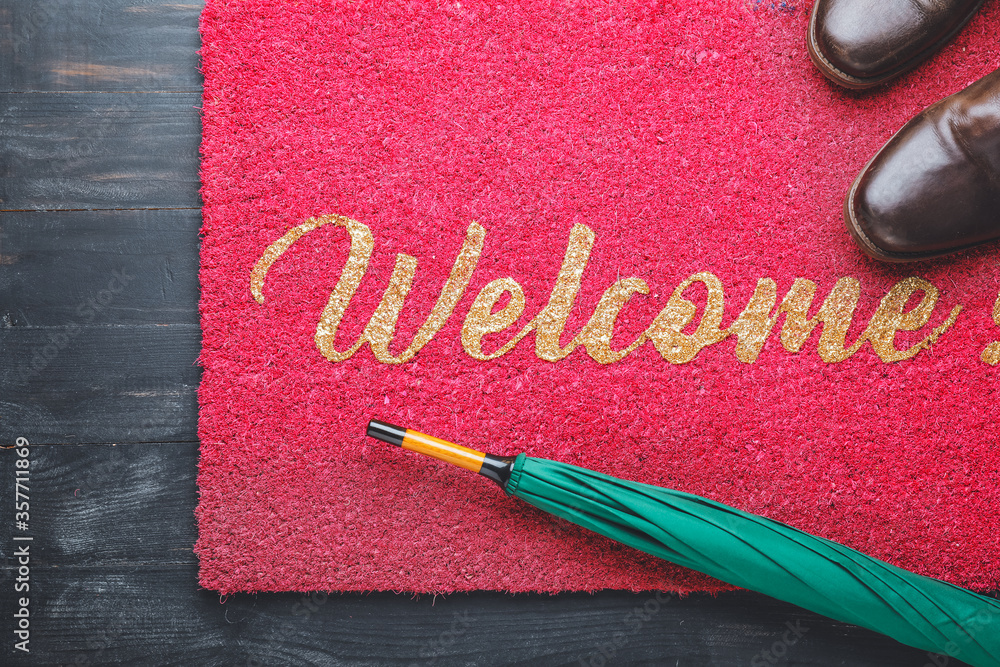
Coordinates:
[934,188]
[862,43]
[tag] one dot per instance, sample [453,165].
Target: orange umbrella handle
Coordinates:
[496,468]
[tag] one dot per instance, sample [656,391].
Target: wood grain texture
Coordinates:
[113,506]
[124,267]
[153,616]
[114,580]
[116,45]
[99,150]
[99,383]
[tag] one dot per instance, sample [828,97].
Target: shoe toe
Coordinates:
[921,196]
[898,201]
[867,40]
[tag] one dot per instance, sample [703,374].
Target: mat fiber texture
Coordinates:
[604,233]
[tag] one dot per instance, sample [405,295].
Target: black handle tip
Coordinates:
[386,432]
[498,468]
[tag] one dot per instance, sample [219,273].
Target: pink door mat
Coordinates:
[604,233]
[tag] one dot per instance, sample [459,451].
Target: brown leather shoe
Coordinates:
[934,188]
[862,43]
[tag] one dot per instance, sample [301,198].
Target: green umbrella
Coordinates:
[742,549]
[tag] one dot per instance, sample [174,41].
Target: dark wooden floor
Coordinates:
[99,336]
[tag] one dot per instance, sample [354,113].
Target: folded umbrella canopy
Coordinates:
[742,549]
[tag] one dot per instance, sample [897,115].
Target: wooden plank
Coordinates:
[99,383]
[112,563]
[118,45]
[110,505]
[107,267]
[152,616]
[109,587]
[99,150]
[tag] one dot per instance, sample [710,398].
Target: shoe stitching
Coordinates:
[901,69]
[888,254]
[833,68]
[816,51]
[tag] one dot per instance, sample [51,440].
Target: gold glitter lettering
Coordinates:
[350,278]
[754,324]
[481,319]
[890,318]
[278,248]
[596,336]
[991,355]
[550,322]
[757,320]
[798,326]
[836,314]
[382,327]
[665,331]
[752,327]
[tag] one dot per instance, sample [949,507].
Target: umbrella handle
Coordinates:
[497,468]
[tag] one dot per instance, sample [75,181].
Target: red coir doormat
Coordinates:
[604,233]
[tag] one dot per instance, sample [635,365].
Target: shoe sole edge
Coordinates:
[869,247]
[831,72]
